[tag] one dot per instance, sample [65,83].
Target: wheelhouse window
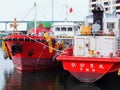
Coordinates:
[118,12]
[63,29]
[105,3]
[57,29]
[93,5]
[69,28]
[118,7]
[110,25]
[117,1]
[106,9]
[93,0]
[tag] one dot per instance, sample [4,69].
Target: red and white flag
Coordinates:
[70,10]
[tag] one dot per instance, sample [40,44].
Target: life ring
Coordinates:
[16,48]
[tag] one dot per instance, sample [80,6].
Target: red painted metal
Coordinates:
[87,69]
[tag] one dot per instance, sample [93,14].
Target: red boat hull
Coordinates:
[34,53]
[26,64]
[88,69]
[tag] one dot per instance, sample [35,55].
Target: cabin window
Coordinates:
[57,29]
[106,3]
[106,9]
[94,5]
[110,25]
[63,29]
[93,0]
[69,29]
[118,12]
[117,1]
[117,7]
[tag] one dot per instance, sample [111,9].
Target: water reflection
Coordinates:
[85,86]
[44,80]
[5,66]
[32,80]
[74,84]
[58,79]
[110,81]
[10,79]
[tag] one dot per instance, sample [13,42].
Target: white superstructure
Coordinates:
[111,23]
[95,46]
[65,29]
[105,42]
[65,32]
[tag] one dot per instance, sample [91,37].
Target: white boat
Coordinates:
[65,31]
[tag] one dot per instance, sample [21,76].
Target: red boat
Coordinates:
[88,69]
[31,51]
[95,52]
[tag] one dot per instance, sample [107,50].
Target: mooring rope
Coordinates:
[46,45]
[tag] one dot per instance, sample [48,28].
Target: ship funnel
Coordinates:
[98,16]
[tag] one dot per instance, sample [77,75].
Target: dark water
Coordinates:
[11,79]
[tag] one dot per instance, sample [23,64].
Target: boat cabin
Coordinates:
[111,23]
[100,37]
[96,50]
[65,31]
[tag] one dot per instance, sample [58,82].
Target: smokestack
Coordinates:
[98,16]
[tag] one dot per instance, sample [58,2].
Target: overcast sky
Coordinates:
[10,9]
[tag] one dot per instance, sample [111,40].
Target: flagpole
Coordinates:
[52,9]
[66,12]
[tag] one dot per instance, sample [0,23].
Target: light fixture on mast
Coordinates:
[14,25]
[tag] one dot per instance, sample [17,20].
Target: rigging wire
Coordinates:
[28,13]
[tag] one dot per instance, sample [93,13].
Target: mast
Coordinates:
[35,17]
[52,9]
[14,25]
[66,13]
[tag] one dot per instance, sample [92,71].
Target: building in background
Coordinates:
[110,6]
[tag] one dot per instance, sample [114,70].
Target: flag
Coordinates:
[70,10]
